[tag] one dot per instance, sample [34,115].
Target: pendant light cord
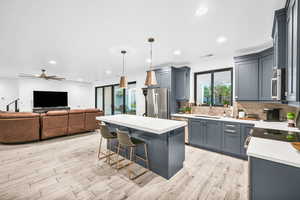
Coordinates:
[123,63]
[150,55]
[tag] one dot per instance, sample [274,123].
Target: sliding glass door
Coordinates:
[107,101]
[114,100]
[118,100]
[130,99]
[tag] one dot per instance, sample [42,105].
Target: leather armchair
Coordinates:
[19,127]
[90,118]
[76,121]
[54,123]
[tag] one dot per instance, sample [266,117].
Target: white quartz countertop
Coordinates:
[259,124]
[148,124]
[273,150]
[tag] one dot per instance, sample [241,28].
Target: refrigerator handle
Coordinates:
[156,105]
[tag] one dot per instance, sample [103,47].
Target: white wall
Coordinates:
[80,95]
[9,91]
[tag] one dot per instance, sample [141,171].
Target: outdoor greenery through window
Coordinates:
[214,87]
[114,100]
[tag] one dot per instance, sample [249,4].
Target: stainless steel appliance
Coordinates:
[278,84]
[286,136]
[272,115]
[157,102]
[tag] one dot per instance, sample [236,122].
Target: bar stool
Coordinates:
[127,142]
[109,136]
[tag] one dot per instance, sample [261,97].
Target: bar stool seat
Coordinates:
[109,136]
[128,142]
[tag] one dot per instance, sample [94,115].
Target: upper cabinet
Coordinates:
[177,80]
[279,38]
[292,21]
[182,83]
[246,78]
[253,74]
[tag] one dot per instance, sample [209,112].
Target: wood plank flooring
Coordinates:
[68,168]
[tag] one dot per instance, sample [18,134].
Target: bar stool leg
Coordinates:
[146,155]
[118,153]
[100,147]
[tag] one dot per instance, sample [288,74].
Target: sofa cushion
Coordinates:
[10,115]
[78,111]
[57,113]
[92,110]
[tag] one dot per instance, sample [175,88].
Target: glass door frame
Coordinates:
[112,97]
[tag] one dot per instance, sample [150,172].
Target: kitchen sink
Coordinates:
[207,116]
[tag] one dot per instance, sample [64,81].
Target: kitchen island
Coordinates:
[164,138]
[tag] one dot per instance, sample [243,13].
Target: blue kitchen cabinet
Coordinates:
[212,131]
[279,34]
[231,138]
[219,136]
[253,74]
[182,83]
[273,181]
[196,134]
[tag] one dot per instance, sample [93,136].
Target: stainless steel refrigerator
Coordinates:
[157,102]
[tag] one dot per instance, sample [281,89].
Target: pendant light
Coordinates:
[150,78]
[123,79]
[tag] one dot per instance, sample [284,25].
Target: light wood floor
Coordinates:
[67,168]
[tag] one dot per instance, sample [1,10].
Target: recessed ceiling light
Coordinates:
[80,79]
[221,39]
[177,52]
[148,60]
[52,62]
[108,72]
[202,10]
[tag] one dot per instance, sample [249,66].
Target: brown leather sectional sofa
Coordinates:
[27,127]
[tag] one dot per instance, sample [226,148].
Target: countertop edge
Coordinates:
[143,128]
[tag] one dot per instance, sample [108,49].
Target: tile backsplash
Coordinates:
[257,108]
[249,107]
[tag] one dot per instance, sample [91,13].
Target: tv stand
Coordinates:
[46,109]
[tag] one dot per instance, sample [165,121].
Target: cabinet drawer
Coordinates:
[231,128]
[232,143]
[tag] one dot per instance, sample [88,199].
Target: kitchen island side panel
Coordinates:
[166,151]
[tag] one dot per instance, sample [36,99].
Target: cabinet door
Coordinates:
[246,80]
[163,78]
[182,84]
[231,142]
[265,76]
[245,131]
[292,51]
[213,134]
[196,136]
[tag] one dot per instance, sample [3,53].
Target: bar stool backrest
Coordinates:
[124,139]
[104,131]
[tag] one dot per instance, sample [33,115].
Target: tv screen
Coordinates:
[49,99]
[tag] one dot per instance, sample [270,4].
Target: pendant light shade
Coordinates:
[150,78]
[123,79]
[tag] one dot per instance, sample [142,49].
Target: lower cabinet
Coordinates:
[219,136]
[273,181]
[212,131]
[196,136]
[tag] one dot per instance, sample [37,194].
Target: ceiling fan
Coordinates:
[43,75]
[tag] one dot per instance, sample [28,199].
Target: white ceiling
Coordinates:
[85,37]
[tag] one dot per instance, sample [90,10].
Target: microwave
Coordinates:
[278,84]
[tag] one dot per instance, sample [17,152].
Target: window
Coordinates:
[214,87]
[114,100]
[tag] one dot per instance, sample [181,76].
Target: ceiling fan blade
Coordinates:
[29,75]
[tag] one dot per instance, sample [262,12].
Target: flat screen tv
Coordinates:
[49,99]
